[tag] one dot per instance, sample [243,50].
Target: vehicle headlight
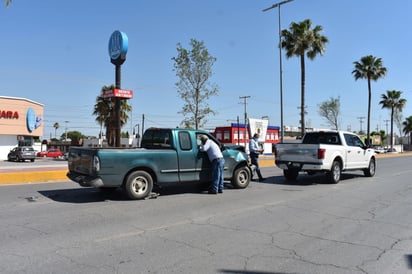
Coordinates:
[96,163]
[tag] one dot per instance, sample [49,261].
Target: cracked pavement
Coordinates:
[361,225]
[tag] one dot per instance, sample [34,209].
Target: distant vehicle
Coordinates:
[380,150]
[20,154]
[52,153]
[329,152]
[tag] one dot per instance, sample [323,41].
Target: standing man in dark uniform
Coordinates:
[218,163]
[254,152]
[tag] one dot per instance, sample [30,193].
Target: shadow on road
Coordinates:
[83,195]
[93,195]
[307,180]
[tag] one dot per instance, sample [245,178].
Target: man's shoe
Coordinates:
[220,191]
[211,192]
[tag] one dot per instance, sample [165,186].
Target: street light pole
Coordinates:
[65,130]
[277,5]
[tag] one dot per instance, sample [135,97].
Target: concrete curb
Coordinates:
[59,175]
[10,178]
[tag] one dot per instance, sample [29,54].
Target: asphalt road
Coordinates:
[361,225]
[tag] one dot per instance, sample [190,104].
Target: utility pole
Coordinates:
[65,130]
[142,124]
[277,5]
[386,124]
[361,122]
[245,104]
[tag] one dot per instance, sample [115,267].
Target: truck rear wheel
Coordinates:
[335,172]
[139,185]
[291,174]
[370,171]
[241,177]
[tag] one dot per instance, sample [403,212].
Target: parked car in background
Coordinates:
[20,154]
[52,153]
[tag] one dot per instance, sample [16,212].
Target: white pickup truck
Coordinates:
[330,152]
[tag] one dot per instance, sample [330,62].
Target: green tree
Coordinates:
[330,111]
[392,100]
[299,40]
[194,68]
[104,110]
[370,68]
[56,127]
[407,128]
[74,136]
[383,135]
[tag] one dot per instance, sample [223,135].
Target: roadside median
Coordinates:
[41,174]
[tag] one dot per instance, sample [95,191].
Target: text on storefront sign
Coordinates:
[8,114]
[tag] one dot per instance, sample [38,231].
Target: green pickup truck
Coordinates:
[166,156]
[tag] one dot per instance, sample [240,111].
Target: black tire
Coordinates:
[370,171]
[335,172]
[139,185]
[291,174]
[32,160]
[241,177]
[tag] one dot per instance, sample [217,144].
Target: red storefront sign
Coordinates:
[8,114]
[118,93]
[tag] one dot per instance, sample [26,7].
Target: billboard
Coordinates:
[119,93]
[258,126]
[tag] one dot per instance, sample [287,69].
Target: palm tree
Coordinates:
[407,128]
[370,68]
[393,101]
[299,40]
[104,109]
[56,126]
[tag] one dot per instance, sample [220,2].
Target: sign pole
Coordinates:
[118,46]
[117,104]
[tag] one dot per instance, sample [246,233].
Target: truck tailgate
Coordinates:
[297,153]
[81,160]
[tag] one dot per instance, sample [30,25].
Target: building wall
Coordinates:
[17,114]
[20,120]
[239,134]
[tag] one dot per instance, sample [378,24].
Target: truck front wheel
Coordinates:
[370,171]
[241,177]
[139,185]
[335,172]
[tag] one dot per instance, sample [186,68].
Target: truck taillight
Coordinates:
[96,163]
[321,153]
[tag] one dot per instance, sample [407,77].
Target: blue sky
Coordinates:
[56,53]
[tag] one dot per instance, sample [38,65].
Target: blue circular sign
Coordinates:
[118,44]
[30,119]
